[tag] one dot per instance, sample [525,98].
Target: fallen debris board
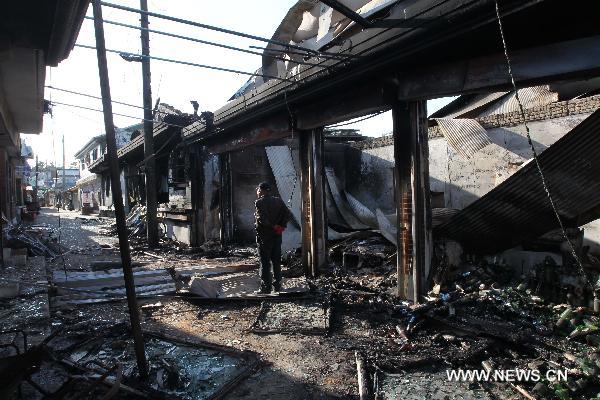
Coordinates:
[203,287]
[178,369]
[245,284]
[303,316]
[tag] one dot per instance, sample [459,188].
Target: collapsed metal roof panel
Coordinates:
[465,136]
[530,97]
[459,107]
[519,210]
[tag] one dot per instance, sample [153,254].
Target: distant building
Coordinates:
[87,190]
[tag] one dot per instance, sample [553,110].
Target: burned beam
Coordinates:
[402,196]
[303,138]
[254,134]
[347,12]
[411,178]
[421,204]
[225,198]
[573,59]
[314,218]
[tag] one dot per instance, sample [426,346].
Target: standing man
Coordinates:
[271,217]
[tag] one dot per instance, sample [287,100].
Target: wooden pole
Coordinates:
[303,149]
[421,203]
[150,161]
[113,163]
[317,212]
[403,197]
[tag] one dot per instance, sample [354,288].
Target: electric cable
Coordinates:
[191,39]
[534,151]
[140,56]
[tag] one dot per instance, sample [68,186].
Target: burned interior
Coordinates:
[454,253]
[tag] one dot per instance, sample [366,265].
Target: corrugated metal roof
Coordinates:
[465,136]
[530,97]
[286,178]
[341,204]
[518,209]
[457,110]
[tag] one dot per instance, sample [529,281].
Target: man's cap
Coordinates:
[264,186]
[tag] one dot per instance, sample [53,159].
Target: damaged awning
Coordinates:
[518,209]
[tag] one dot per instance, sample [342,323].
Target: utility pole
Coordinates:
[150,163]
[115,182]
[35,191]
[63,174]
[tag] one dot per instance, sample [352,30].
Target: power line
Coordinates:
[217,29]
[121,115]
[534,151]
[356,121]
[97,97]
[140,56]
[191,39]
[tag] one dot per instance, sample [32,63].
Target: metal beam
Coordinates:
[347,12]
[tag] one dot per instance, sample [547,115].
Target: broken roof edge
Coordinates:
[551,111]
[264,101]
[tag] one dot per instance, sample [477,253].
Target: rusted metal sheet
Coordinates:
[464,105]
[519,210]
[530,97]
[465,136]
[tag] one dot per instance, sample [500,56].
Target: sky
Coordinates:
[175,84]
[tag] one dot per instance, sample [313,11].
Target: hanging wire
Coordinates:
[134,57]
[120,115]
[191,39]
[534,151]
[100,98]
[219,29]
[358,120]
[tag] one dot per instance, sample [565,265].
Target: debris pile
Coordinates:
[39,240]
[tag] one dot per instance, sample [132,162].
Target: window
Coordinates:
[95,155]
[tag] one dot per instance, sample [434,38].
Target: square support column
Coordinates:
[225,198]
[314,214]
[411,173]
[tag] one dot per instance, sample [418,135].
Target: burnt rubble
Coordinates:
[66,325]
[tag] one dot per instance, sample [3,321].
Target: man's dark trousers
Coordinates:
[269,251]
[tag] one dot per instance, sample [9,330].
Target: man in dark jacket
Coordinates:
[271,217]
